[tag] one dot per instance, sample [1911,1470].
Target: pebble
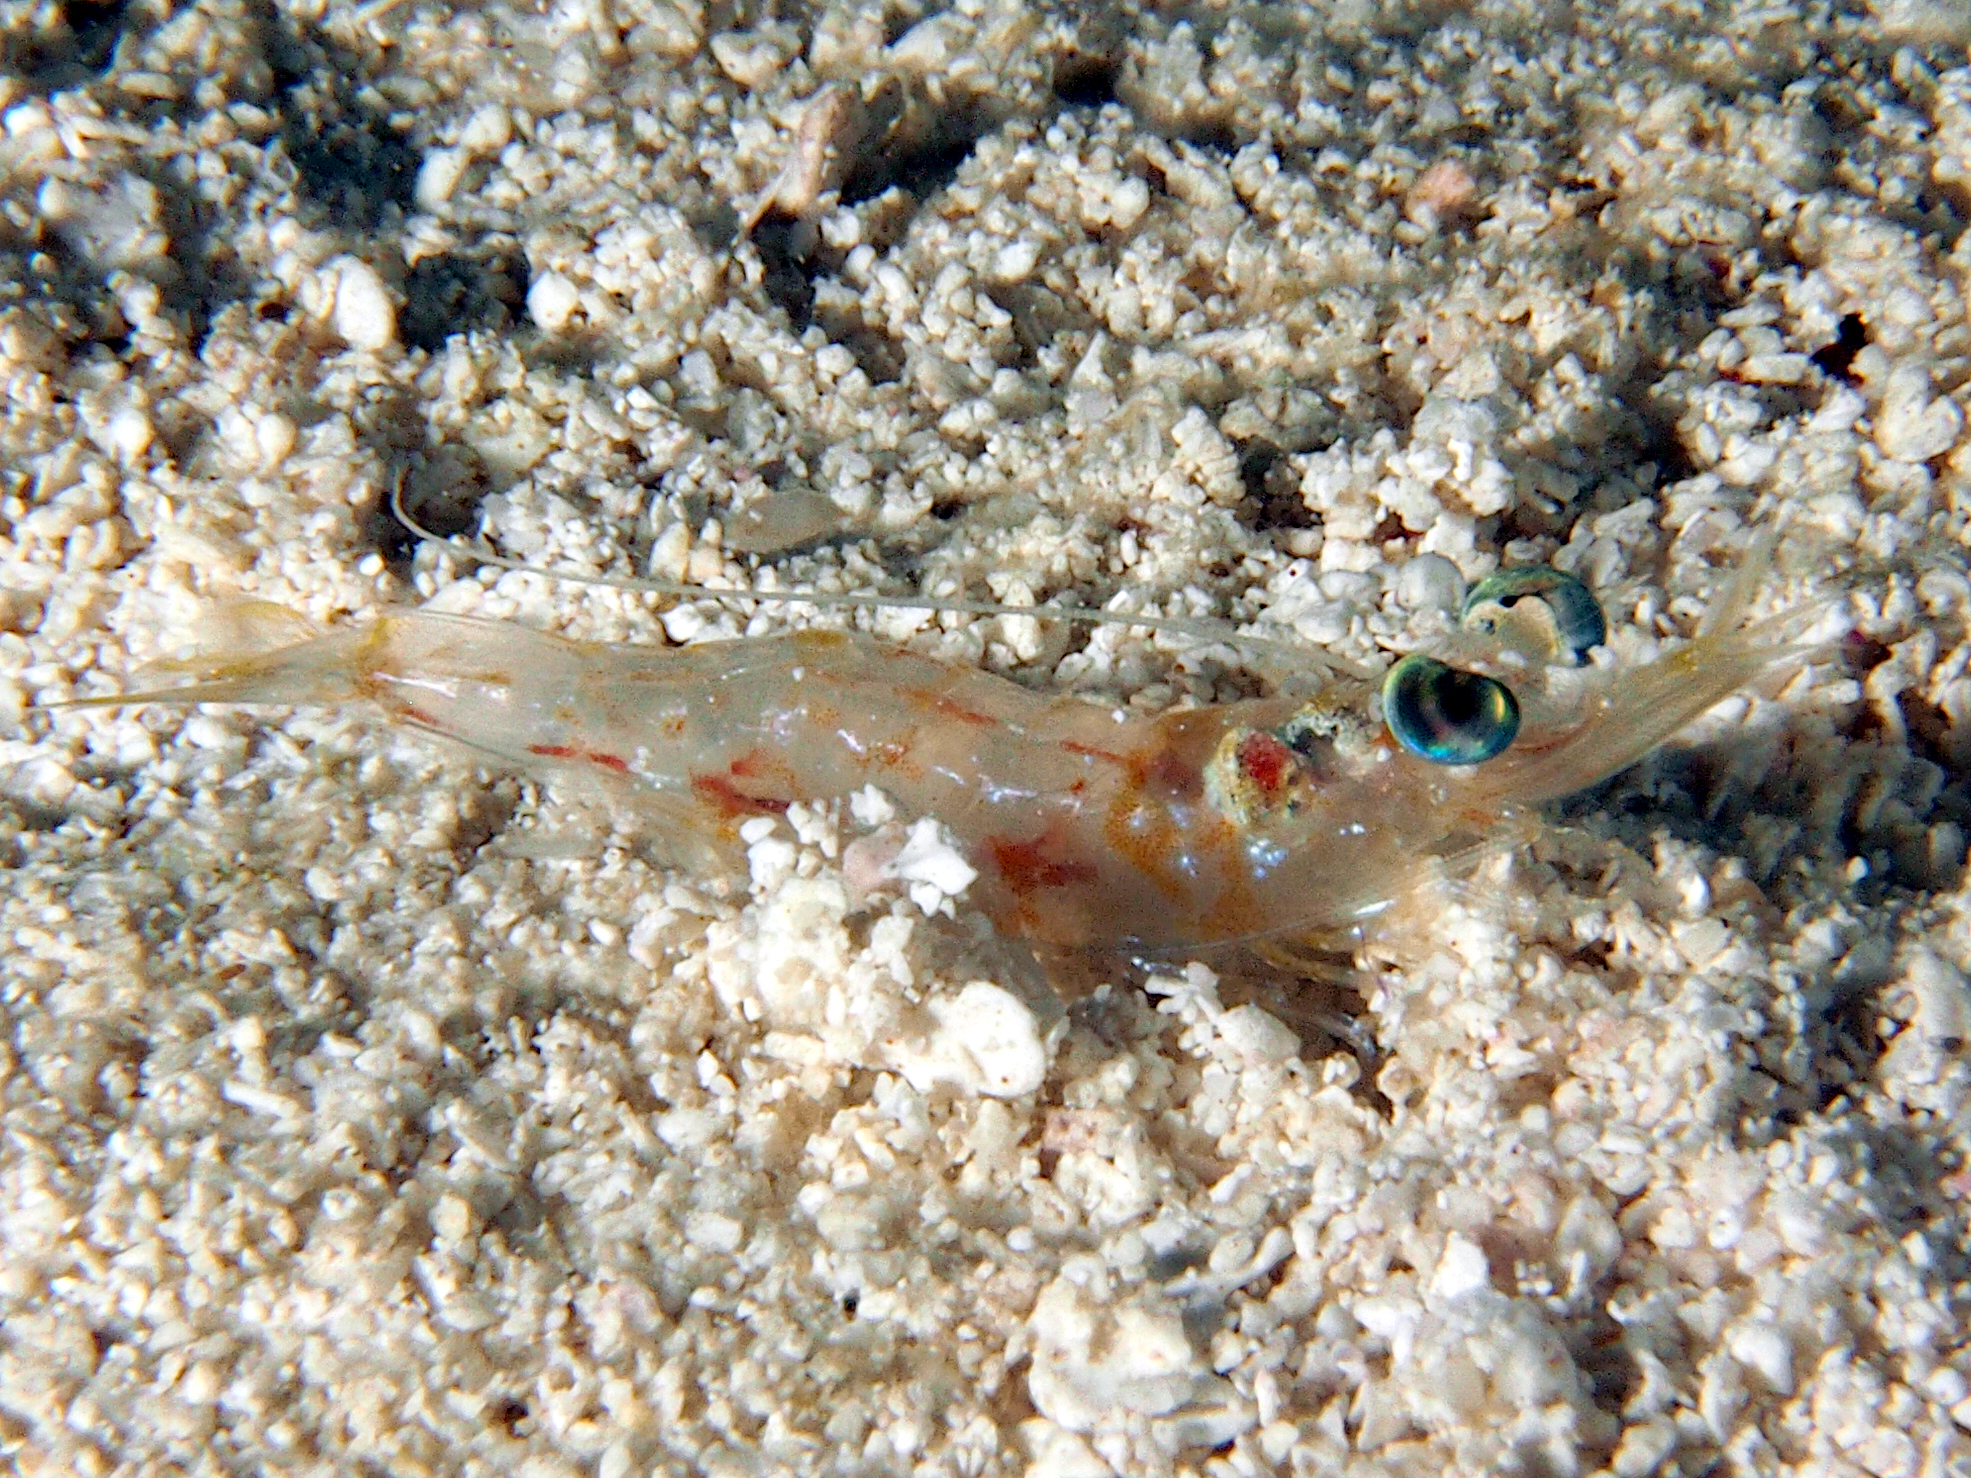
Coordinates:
[551,301]
[363,315]
[1429,582]
[1910,425]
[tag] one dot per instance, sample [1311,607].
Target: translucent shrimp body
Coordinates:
[1090,828]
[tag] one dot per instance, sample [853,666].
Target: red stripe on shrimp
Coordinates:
[717,790]
[608,761]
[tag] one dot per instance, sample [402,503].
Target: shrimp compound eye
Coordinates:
[1538,611]
[1446,716]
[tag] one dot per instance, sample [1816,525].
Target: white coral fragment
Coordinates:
[1460,1270]
[1094,1362]
[932,866]
[982,1041]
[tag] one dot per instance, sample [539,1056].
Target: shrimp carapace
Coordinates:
[1091,827]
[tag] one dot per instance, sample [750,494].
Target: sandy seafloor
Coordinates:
[367,1112]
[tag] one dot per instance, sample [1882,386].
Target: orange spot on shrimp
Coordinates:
[1153,825]
[1236,914]
[1155,767]
[1144,835]
[735,792]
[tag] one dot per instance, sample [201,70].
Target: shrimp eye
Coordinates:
[1446,716]
[1537,610]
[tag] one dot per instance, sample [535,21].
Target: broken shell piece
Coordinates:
[1445,191]
[784,519]
[831,125]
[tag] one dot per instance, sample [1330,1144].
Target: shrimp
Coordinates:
[1090,828]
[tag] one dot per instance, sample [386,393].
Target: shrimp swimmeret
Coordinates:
[1089,827]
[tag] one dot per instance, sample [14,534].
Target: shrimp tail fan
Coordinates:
[249,652]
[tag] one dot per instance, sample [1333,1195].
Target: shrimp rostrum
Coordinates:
[1091,828]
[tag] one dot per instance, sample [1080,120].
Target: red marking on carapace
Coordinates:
[1165,774]
[569,752]
[1026,867]
[1075,746]
[716,790]
[418,716]
[761,769]
[946,706]
[1265,761]
[1155,768]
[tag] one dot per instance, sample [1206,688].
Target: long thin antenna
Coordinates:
[1204,630]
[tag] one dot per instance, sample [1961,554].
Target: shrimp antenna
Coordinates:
[1205,629]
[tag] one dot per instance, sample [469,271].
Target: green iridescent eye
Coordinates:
[1446,716]
[1538,611]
